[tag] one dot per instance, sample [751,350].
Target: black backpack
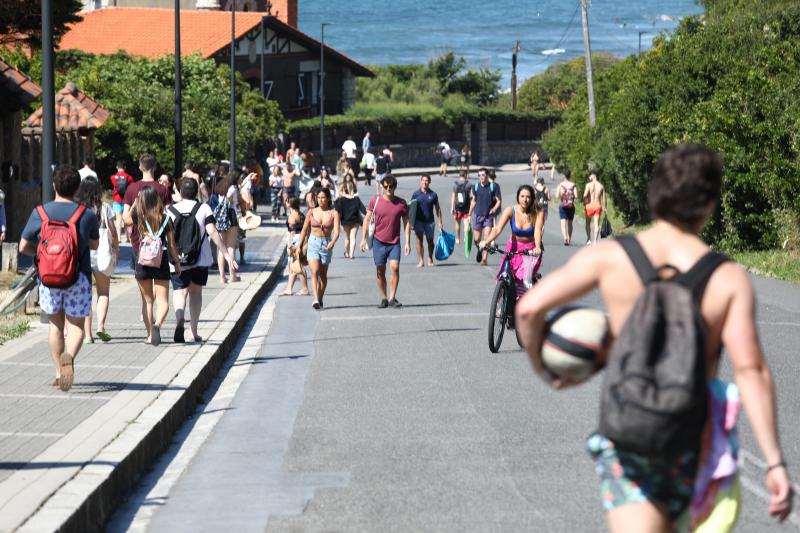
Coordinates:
[462,190]
[382,164]
[654,397]
[188,238]
[122,184]
[541,198]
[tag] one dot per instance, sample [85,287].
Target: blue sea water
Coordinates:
[379,32]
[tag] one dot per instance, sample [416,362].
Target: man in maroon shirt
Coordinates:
[147,165]
[388,210]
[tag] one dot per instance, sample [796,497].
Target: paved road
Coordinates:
[359,419]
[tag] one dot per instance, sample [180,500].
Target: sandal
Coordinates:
[56,383]
[67,372]
[103,336]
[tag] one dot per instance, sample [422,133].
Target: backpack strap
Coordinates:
[76,216]
[696,278]
[647,273]
[174,211]
[195,209]
[42,213]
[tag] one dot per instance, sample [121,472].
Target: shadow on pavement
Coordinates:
[114,386]
[259,360]
[45,466]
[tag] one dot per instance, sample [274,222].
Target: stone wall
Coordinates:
[504,152]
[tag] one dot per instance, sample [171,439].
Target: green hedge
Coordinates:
[390,114]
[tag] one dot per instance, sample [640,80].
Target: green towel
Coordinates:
[468,240]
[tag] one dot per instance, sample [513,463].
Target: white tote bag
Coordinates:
[106,255]
[371,228]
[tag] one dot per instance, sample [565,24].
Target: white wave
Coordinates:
[665,18]
[553,51]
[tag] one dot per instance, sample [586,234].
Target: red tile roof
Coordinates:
[17,86]
[74,110]
[150,32]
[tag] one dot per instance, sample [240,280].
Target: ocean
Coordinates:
[380,32]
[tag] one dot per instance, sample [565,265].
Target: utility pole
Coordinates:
[263,51]
[514,53]
[178,98]
[640,42]
[588,51]
[322,93]
[233,85]
[48,103]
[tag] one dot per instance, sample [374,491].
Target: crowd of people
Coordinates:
[171,226]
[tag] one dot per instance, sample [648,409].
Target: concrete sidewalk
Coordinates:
[67,458]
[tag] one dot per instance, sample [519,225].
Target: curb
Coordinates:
[87,500]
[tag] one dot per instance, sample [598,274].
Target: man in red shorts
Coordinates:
[459,202]
[595,204]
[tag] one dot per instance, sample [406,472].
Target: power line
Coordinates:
[563,36]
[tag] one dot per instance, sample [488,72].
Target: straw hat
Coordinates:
[249,221]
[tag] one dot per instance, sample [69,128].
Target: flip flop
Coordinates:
[103,336]
[67,372]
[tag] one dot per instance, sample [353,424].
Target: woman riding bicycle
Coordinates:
[527,221]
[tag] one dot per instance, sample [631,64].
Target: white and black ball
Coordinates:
[575,342]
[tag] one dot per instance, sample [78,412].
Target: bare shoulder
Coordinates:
[732,279]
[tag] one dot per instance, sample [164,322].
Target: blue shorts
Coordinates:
[566,213]
[426,228]
[382,252]
[75,300]
[196,275]
[118,207]
[318,251]
[482,221]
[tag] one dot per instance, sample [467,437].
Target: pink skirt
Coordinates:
[518,263]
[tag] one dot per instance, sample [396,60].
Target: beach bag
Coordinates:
[371,228]
[445,245]
[189,236]
[105,256]
[57,251]
[468,239]
[605,228]
[222,215]
[654,399]
[151,249]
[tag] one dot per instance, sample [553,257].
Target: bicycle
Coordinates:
[504,299]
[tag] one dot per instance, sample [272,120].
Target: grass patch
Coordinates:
[778,264]
[13,326]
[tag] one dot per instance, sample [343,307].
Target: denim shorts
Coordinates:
[382,252]
[566,213]
[425,228]
[75,300]
[119,207]
[318,251]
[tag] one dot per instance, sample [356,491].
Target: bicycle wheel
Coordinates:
[498,316]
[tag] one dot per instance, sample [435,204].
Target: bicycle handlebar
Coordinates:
[497,250]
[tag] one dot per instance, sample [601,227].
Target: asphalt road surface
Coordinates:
[359,419]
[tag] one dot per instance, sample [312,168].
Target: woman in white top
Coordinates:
[90,194]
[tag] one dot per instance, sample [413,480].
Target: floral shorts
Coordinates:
[75,300]
[627,477]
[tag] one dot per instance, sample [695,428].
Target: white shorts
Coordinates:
[75,300]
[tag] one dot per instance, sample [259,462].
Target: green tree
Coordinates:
[21,21]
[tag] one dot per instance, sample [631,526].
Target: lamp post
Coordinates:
[178,98]
[640,42]
[48,103]
[514,53]
[322,93]
[233,85]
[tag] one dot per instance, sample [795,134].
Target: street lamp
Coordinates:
[48,103]
[178,98]
[640,42]
[233,85]
[322,92]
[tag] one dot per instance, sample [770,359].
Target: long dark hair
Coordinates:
[232,178]
[150,208]
[90,194]
[533,207]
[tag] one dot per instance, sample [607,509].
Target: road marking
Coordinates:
[768,323]
[56,396]
[113,367]
[24,434]
[747,456]
[395,317]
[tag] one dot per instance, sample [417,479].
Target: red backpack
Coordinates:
[57,252]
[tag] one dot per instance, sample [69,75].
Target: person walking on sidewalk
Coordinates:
[66,302]
[90,194]
[225,204]
[120,181]
[425,223]
[322,228]
[276,186]
[460,202]
[294,225]
[155,251]
[595,204]
[483,206]
[445,154]
[652,473]
[88,169]
[350,152]
[368,160]
[194,226]
[567,193]
[350,209]
[391,215]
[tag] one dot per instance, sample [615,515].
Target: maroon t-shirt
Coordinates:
[387,218]
[130,195]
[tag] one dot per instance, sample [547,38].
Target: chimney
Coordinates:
[285,11]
